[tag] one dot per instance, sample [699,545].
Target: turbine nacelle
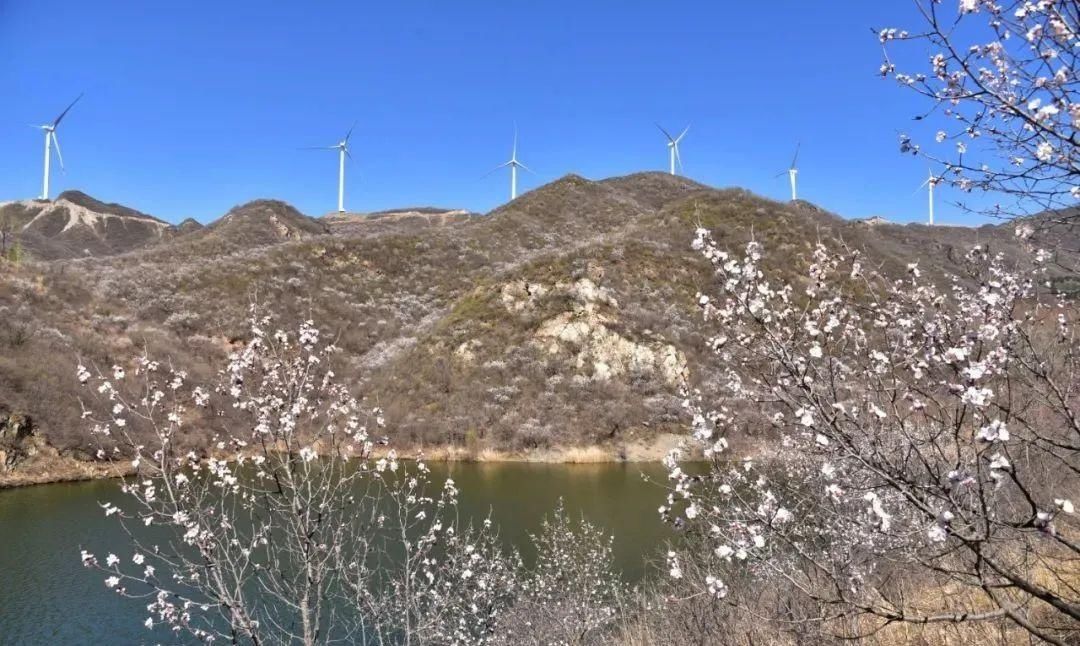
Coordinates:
[932,180]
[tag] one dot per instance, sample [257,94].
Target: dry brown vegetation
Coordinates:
[665,611]
[418,309]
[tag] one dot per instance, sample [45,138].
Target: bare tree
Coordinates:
[1002,83]
[928,439]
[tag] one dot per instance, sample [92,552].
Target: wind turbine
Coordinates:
[50,141]
[343,150]
[929,183]
[673,146]
[514,164]
[792,171]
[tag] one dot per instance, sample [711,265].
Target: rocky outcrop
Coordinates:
[16,439]
[76,225]
[586,332]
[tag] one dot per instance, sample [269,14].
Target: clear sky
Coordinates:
[194,107]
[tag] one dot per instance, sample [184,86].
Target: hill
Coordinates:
[253,224]
[565,318]
[76,225]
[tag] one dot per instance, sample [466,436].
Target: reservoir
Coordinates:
[47,597]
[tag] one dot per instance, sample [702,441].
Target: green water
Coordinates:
[47,597]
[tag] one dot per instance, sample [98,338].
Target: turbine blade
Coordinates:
[921,186]
[783,172]
[520,165]
[682,134]
[513,151]
[349,133]
[678,157]
[495,169]
[56,144]
[666,133]
[62,114]
[796,157]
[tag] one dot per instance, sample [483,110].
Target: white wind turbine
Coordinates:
[792,171]
[673,146]
[343,150]
[50,141]
[514,164]
[930,182]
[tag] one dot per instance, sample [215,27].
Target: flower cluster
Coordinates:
[1002,78]
[286,527]
[914,421]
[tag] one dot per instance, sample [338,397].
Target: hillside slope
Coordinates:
[564,318]
[76,225]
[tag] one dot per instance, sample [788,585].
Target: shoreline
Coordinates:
[55,469]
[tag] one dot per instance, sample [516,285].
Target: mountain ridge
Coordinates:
[564,318]
[76,225]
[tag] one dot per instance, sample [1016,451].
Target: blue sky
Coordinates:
[192,108]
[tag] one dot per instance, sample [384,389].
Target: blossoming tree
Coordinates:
[572,594]
[926,437]
[287,529]
[1002,81]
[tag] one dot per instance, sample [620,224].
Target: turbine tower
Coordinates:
[514,164]
[929,183]
[673,146]
[792,171]
[50,141]
[343,151]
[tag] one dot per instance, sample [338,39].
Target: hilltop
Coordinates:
[403,220]
[565,318]
[76,225]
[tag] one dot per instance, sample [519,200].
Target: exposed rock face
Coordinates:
[467,351]
[76,225]
[519,295]
[606,353]
[16,435]
[585,333]
[397,221]
[15,428]
[873,221]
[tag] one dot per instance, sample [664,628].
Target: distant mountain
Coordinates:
[263,222]
[254,224]
[76,225]
[189,225]
[565,317]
